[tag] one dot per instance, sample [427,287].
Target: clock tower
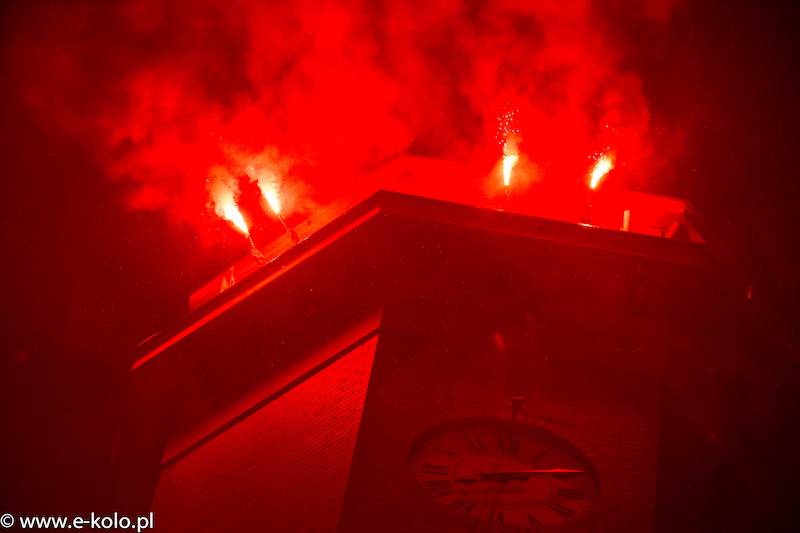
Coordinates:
[419,362]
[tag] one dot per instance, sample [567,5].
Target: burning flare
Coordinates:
[604,165]
[510,158]
[268,184]
[223,197]
[272,198]
[508,134]
[231,213]
[222,192]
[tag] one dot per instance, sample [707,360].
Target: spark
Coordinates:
[508,135]
[507,124]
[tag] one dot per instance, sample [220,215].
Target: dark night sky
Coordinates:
[86,278]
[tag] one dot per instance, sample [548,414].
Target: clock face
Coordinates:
[503,472]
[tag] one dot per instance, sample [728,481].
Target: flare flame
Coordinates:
[222,193]
[268,184]
[604,165]
[231,213]
[271,196]
[509,162]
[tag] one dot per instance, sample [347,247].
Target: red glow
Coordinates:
[328,95]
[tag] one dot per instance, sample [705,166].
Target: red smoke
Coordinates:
[169,94]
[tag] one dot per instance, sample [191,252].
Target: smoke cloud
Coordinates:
[178,98]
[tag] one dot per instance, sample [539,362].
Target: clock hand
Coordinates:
[516,474]
[537,471]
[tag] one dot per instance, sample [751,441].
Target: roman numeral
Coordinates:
[438,487]
[463,505]
[563,511]
[474,441]
[509,444]
[496,517]
[432,470]
[572,494]
[538,457]
[453,455]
